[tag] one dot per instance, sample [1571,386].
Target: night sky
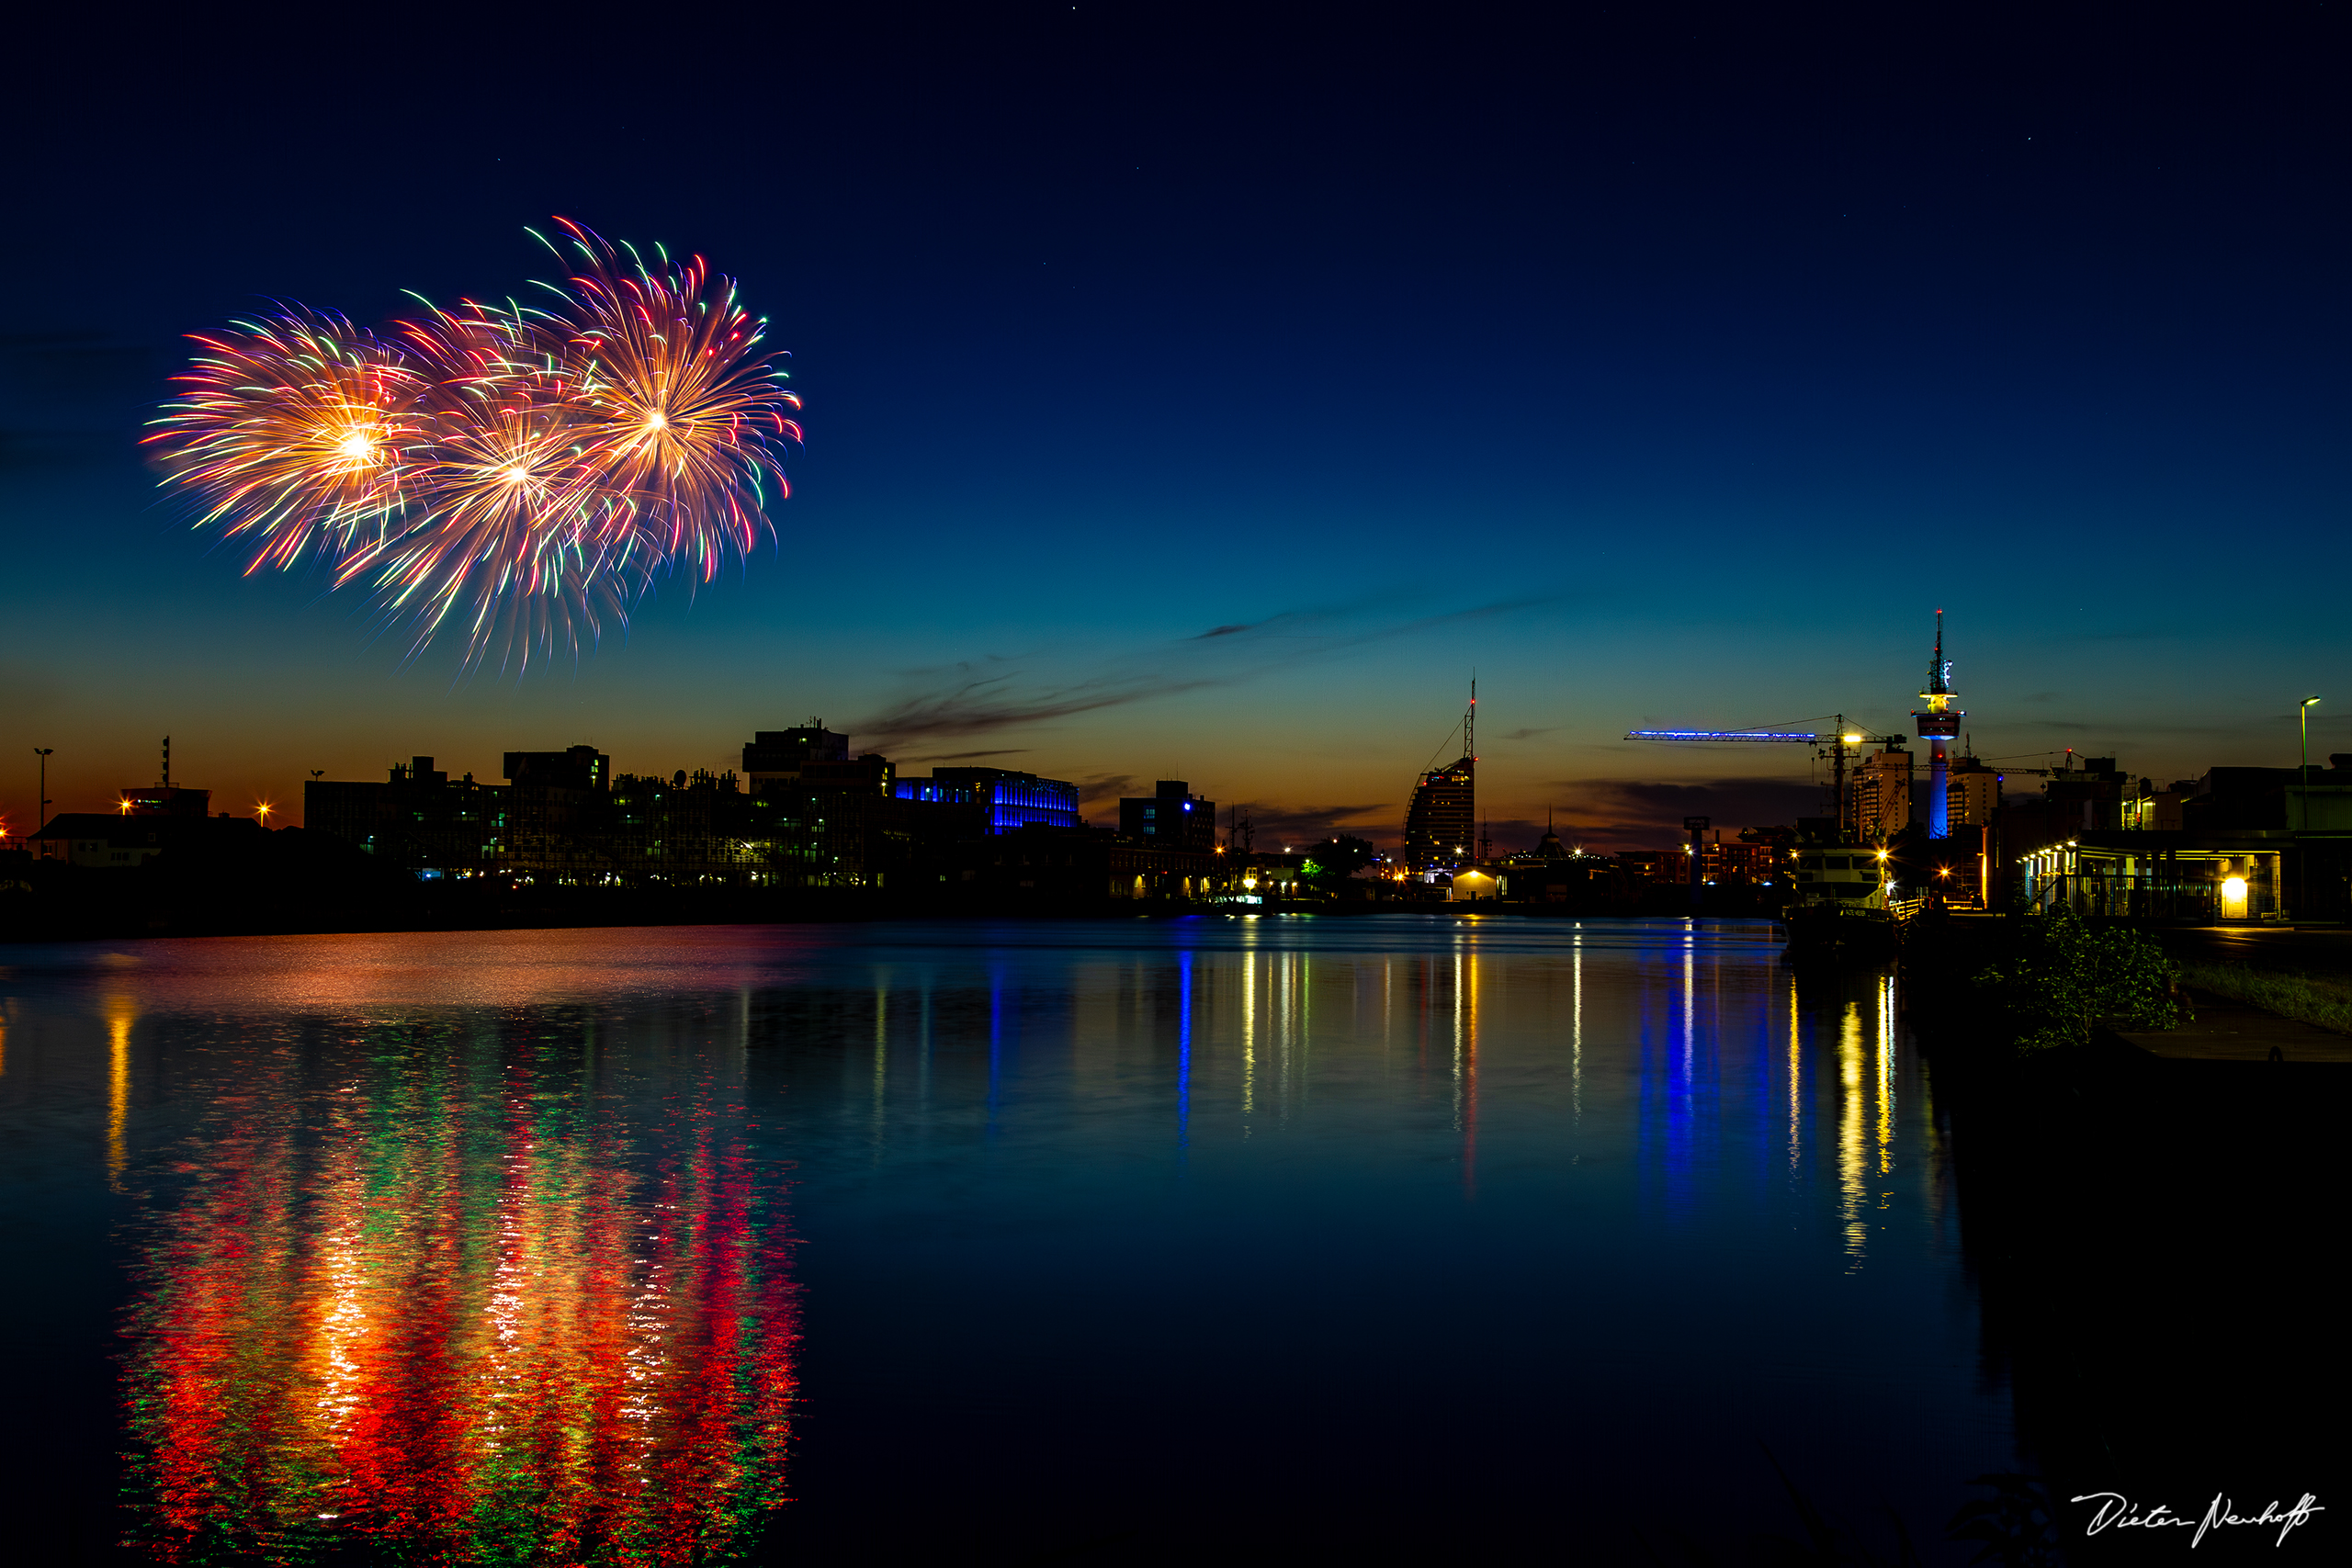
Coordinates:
[1662,369]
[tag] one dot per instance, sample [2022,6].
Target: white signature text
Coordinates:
[2114,1508]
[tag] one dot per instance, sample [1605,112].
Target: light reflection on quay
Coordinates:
[467,1298]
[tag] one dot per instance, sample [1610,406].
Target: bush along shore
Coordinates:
[2154,1242]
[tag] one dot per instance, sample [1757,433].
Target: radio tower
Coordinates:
[1939,722]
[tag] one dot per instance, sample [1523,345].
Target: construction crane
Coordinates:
[1836,739]
[2065,766]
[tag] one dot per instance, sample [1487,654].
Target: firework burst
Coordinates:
[297,432]
[520,473]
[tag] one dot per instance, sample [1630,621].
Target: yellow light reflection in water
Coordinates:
[1689,999]
[1851,1162]
[1248,1034]
[1303,1001]
[1291,1016]
[1457,1041]
[1575,1030]
[1466,1062]
[1886,1074]
[121,1013]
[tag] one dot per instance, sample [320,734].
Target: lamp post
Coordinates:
[40,810]
[2303,800]
[2303,723]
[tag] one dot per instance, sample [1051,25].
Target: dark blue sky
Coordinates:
[1662,370]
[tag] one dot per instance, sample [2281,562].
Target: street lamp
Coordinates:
[2303,797]
[2303,723]
[41,811]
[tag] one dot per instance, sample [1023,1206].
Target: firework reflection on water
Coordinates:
[460,1298]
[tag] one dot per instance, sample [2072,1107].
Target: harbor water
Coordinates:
[1411,1237]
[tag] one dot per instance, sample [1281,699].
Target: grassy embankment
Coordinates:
[2325,1002]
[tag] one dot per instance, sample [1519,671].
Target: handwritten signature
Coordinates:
[2115,1508]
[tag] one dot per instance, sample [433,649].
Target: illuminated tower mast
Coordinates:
[1939,722]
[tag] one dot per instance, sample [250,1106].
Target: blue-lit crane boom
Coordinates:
[1805,735]
[1835,740]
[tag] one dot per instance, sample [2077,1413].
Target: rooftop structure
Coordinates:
[783,753]
[579,767]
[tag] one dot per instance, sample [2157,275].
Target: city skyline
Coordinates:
[1147,440]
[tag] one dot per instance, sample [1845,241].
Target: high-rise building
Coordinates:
[1442,819]
[1171,818]
[1441,822]
[1881,799]
[1973,793]
[556,803]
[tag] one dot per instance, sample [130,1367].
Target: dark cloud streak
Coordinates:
[1640,813]
[968,702]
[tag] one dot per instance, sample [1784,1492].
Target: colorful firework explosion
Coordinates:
[525,474]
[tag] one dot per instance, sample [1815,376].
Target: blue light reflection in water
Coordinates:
[1472,1234]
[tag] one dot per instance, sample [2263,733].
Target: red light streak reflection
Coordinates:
[467,1304]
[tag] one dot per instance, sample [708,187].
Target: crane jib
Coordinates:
[1718,735]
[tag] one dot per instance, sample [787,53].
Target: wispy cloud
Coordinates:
[970,756]
[1276,825]
[1529,734]
[977,698]
[1113,787]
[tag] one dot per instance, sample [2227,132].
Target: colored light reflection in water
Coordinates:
[462,1297]
[1145,1207]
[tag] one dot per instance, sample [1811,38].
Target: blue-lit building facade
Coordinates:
[1008,800]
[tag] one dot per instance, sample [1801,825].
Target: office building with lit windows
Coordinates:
[419,819]
[1171,818]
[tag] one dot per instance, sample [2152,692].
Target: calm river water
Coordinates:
[1413,1238]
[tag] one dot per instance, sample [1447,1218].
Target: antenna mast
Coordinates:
[1470,724]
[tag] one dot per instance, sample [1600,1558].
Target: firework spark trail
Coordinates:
[296,431]
[520,473]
